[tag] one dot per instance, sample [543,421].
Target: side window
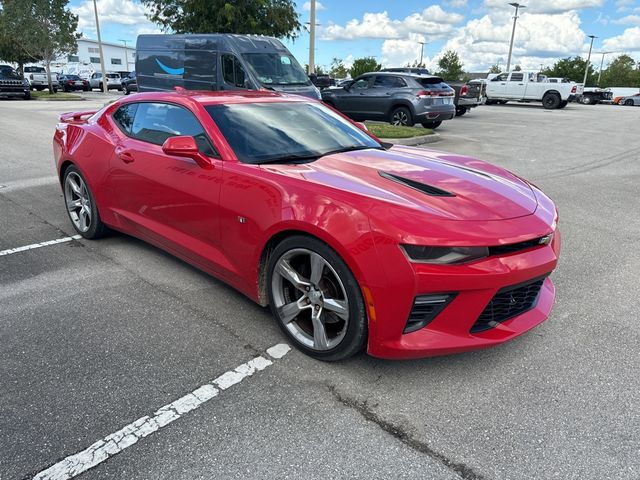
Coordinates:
[232,71]
[516,77]
[360,84]
[500,78]
[388,81]
[124,117]
[155,122]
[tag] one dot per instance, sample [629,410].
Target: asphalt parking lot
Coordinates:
[96,335]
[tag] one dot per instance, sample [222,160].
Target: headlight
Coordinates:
[444,255]
[25,82]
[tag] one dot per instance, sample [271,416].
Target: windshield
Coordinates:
[276,69]
[7,71]
[286,131]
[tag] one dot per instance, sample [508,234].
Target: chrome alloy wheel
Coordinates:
[400,118]
[310,299]
[76,196]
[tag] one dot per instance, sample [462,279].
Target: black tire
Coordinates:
[588,100]
[502,102]
[125,90]
[101,87]
[563,103]
[27,95]
[96,229]
[490,102]
[39,88]
[354,333]
[401,116]
[432,125]
[628,102]
[551,101]
[460,111]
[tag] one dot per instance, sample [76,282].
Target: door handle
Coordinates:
[124,155]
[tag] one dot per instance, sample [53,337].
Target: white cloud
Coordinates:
[629,40]
[307,6]
[456,3]
[400,52]
[433,22]
[120,12]
[548,6]
[628,20]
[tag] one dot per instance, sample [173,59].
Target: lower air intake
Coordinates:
[425,309]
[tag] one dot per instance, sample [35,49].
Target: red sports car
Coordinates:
[353,243]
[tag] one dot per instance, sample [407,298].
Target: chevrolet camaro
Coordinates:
[352,242]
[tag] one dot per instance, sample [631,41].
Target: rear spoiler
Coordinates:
[76,118]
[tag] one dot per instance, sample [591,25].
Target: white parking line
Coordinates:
[28,183]
[11,251]
[113,444]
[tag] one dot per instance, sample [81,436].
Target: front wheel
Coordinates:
[588,100]
[27,95]
[432,125]
[628,102]
[401,117]
[81,205]
[551,101]
[315,299]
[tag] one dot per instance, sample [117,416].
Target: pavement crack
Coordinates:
[463,471]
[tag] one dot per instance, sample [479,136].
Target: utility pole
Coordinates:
[312,37]
[513,32]
[105,87]
[126,52]
[586,68]
[422,44]
[601,62]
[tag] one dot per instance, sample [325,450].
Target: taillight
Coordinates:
[574,89]
[464,90]
[435,93]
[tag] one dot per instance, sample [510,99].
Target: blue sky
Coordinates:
[390,30]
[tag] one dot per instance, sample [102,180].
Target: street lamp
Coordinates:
[312,37]
[126,52]
[601,62]
[422,44]
[586,68]
[513,32]
[105,87]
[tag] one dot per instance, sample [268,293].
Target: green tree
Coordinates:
[517,68]
[621,72]
[495,69]
[338,70]
[39,30]
[364,65]
[450,66]
[276,18]
[571,68]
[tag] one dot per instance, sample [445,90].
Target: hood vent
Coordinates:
[422,187]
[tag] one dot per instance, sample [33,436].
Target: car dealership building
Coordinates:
[86,60]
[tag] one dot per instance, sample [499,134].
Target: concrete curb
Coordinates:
[414,141]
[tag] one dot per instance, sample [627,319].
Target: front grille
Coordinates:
[509,302]
[515,247]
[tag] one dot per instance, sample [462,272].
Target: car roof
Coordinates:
[401,74]
[206,97]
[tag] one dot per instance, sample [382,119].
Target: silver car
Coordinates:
[631,100]
[398,98]
[113,81]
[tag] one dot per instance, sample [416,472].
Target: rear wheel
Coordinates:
[460,111]
[315,299]
[588,100]
[401,116]
[551,101]
[628,102]
[432,125]
[125,90]
[81,206]
[563,103]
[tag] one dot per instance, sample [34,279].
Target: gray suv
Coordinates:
[399,98]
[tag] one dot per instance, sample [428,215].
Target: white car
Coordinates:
[631,100]
[529,86]
[113,81]
[37,77]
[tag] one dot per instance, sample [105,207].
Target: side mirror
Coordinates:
[185,146]
[361,126]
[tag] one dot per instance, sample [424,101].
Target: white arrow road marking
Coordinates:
[113,444]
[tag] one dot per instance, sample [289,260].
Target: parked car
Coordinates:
[129,83]
[594,95]
[38,80]
[631,100]
[352,243]
[322,81]
[398,98]
[113,81]
[523,86]
[13,84]
[468,96]
[219,62]
[73,82]
[416,70]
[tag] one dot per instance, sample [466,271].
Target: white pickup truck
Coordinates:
[37,77]
[529,86]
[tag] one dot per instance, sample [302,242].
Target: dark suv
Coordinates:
[399,98]
[12,84]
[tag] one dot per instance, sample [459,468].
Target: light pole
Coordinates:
[601,62]
[422,44]
[105,87]
[513,32]
[586,68]
[126,52]
[312,37]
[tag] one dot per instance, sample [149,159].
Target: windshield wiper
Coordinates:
[352,148]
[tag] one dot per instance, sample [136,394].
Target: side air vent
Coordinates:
[422,187]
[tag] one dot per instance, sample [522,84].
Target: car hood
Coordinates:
[443,185]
